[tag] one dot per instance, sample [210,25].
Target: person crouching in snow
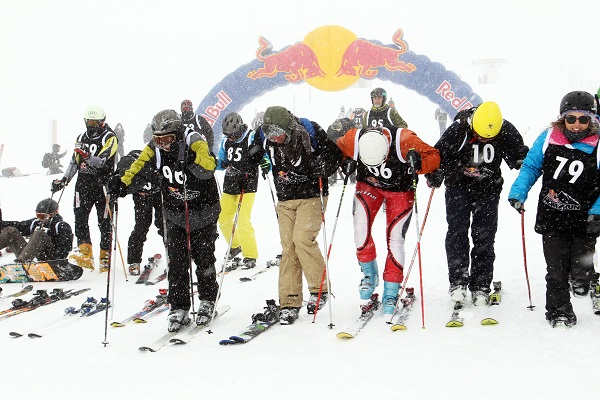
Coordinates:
[384,173]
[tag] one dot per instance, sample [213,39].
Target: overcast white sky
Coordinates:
[137,57]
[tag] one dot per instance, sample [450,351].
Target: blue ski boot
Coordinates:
[390,296]
[370,281]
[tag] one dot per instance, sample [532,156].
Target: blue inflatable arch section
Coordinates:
[429,79]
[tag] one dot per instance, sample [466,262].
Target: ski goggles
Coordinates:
[93,123]
[583,119]
[43,216]
[274,133]
[164,141]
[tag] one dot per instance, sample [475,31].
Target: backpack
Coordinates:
[47,160]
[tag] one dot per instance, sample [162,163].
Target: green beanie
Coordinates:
[598,93]
[279,116]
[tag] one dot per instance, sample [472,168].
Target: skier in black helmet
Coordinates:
[191,205]
[50,239]
[565,155]
[381,115]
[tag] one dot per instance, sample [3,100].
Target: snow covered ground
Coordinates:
[521,358]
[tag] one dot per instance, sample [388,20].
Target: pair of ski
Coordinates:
[21,292]
[148,268]
[457,321]
[368,311]
[37,331]
[261,322]
[152,307]
[40,298]
[183,336]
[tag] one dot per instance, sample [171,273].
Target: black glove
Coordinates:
[593,227]
[57,185]
[265,167]
[414,159]
[115,187]
[435,178]
[348,167]
[517,205]
[522,153]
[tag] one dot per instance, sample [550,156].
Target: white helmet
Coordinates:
[373,148]
[94,113]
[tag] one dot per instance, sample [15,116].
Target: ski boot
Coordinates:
[370,280]
[83,256]
[234,252]
[177,319]
[288,315]
[134,269]
[457,292]
[248,263]
[390,296]
[311,307]
[480,298]
[205,312]
[104,260]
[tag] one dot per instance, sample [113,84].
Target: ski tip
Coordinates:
[344,335]
[146,349]
[398,327]
[34,336]
[454,324]
[244,279]
[117,324]
[140,321]
[15,334]
[226,342]
[489,321]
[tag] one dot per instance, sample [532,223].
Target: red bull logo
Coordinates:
[446,93]
[211,113]
[363,58]
[297,62]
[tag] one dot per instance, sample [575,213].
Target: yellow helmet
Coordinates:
[487,120]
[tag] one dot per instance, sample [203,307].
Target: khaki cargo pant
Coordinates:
[299,226]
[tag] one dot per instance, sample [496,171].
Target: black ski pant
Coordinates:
[143,207]
[86,197]
[567,257]
[203,254]
[479,212]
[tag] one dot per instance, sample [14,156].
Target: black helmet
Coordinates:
[47,206]
[167,122]
[258,120]
[233,126]
[379,92]
[578,100]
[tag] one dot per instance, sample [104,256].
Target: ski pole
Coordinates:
[188,234]
[416,252]
[113,237]
[331,325]
[235,220]
[337,216]
[531,306]
[114,228]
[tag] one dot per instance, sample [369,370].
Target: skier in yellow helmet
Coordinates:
[472,150]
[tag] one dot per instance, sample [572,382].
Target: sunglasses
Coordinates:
[164,141]
[571,119]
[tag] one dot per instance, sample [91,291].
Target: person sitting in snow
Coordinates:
[50,239]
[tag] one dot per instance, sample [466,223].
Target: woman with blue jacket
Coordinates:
[568,214]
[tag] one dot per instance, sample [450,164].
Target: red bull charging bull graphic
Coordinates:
[332,58]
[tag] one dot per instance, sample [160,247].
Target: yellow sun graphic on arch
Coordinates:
[329,44]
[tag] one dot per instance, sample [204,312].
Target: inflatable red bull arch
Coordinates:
[332,58]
